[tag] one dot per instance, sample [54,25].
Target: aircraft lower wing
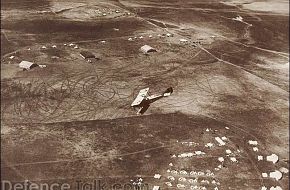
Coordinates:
[143,109]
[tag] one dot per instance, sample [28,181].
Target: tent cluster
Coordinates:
[276,174]
[105,12]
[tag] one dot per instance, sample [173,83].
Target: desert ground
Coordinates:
[72,121]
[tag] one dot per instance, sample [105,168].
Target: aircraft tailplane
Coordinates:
[168,92]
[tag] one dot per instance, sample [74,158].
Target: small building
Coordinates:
[147,49]
[26,65]
[87,55]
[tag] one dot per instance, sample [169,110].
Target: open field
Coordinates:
[72,119]
[135,146]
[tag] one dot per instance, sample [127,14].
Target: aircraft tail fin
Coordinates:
[168,92]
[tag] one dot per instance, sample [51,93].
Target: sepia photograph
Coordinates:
[144,95]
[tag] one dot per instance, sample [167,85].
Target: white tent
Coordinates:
[146,49]
[156,187]
[27,65]
[183,40]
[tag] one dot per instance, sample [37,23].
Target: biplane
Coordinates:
[143,99]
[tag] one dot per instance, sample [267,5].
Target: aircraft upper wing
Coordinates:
[142,94]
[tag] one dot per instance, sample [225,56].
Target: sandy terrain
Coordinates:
[278,6]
